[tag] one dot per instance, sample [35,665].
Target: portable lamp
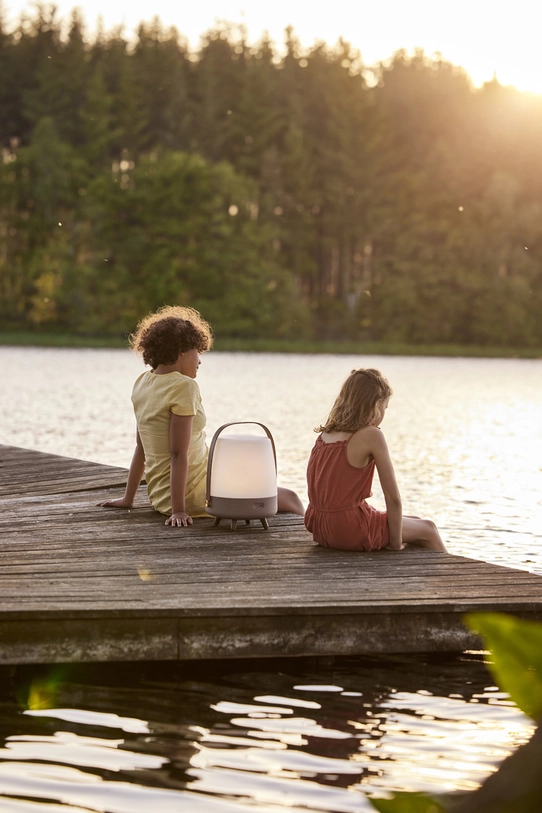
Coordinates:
[242,476]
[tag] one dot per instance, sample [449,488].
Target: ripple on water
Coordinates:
[326,739]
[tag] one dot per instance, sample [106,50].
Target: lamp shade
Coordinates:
[242,476]
[243,467]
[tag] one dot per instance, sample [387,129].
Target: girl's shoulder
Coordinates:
[368,431]
[364,446]
[367,438]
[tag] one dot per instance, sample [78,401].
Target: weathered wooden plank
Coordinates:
[59,640]
[30,472]
[337,579]
[114,639]
[170,564]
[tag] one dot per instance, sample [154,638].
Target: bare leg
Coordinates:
[422,532]
[289,502]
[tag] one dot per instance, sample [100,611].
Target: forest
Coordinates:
[284,192]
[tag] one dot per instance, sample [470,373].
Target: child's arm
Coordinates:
[180,431]
[135,476]
[386,475]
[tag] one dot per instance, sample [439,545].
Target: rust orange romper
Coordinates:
[337,515]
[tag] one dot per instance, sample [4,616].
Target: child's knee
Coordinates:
[289,502]
[286,497]
[430,528]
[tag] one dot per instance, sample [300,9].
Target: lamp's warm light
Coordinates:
[242,477]
[243,467]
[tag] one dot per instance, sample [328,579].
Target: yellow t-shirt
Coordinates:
[154,398]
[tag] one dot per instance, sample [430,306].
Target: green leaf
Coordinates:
[516,646]
[404,802]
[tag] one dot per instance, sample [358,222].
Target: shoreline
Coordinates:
[302,346]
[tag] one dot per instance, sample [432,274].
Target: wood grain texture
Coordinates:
[81,582]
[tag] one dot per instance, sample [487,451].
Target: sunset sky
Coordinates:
[483,36]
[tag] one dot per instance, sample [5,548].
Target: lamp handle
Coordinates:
[212,450]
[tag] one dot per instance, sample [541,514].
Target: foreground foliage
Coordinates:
[516,664]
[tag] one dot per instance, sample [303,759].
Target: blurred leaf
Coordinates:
[408,803]
[516,647]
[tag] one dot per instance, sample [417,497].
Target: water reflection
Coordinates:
[332,735]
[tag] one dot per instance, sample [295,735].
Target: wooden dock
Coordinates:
[83,583]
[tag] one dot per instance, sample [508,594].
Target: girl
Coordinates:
[170,442]
[340,474]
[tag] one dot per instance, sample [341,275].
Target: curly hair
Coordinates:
[355,405]
[173,329]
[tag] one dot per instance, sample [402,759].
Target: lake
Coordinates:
[465,436]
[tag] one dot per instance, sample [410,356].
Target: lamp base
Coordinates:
[234,522]
[237,508]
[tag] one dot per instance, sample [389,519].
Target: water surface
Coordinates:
[292,735]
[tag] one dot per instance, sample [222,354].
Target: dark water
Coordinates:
[212,737]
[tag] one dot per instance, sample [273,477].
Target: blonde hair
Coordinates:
[356,403]
[172,329]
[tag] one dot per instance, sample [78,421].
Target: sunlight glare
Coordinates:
[486,38]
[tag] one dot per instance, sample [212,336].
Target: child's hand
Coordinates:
[391,546]
[120,503]
[180,518]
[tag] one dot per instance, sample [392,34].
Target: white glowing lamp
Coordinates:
[242,476]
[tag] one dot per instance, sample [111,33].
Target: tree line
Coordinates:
[284,193]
